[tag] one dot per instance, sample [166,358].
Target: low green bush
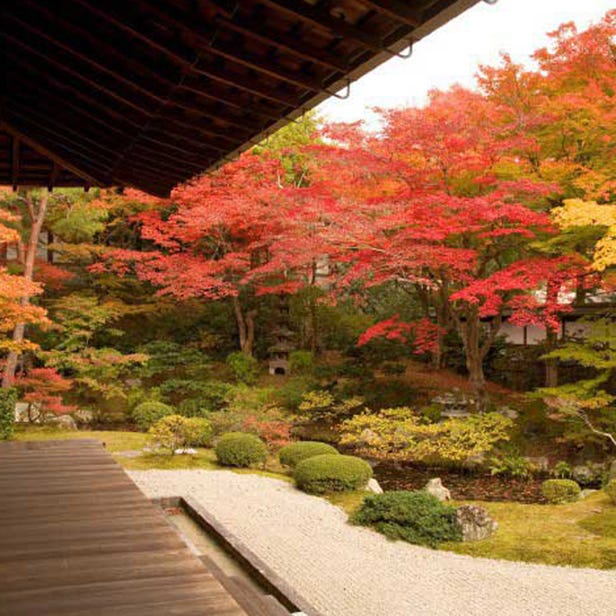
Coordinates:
[558,491]
[415,517]
[146,414]
[610,490]
[332,473]
[240,449]
[245,368]
[198,431]
[293,454]
[301,362]
[8,398]
[176,432]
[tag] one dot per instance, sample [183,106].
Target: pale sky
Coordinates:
[452,54]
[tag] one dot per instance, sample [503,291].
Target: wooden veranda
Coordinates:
[77,537]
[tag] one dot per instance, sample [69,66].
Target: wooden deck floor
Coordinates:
[77,537]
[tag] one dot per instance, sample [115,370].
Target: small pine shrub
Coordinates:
[558,491]
[8,398]
[146,414]
[293,454]
[332,473]
[415,517]
[240,449]
[610,490]
[245,368]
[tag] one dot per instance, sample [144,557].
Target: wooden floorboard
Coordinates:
[78,538]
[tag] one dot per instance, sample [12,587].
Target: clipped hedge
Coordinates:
[8,399]
[176,432]
[610,490]
[558,491]
[240,449]
[332,473]
[291,455]
[146,414]
[415,517]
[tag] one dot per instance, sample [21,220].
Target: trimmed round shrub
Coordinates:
[415,517]
[198,431]
[558,491]
[240,449]
[610,490]
[147,414]
[293,454]
[170,433]
[332,473]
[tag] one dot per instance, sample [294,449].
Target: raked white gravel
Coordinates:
[344,570]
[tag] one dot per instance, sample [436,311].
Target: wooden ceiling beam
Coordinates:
[15,153]
[161,96]
[258,30]
[206,36]
[41,149]
[53,176]
[94,84]
[400,11]
[60,138]
[186,57]
[322,18]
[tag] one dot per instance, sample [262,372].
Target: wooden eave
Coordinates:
[149,93]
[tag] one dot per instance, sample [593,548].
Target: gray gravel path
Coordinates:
[348,571]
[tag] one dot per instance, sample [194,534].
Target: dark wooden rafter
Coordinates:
[258,30]
[151,92]
[185,57]
[320,17]
[143,79]
[16,147]
[19,136]
[53,176]
[397,10]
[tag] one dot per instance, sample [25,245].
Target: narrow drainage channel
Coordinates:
[246,581]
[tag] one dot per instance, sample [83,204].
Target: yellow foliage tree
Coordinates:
[580,213]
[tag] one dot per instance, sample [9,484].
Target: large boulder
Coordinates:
[475,523]
[588,474]
[436,488]
[65,422]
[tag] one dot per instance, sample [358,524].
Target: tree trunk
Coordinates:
[245,326]
[475,351]
[37,218]
[551,365]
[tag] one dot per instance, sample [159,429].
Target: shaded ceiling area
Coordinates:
[150,93]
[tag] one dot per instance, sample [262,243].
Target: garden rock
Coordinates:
[187,452]
[541,463]
[83,416]
[587,474]
[66,422]
[475,523]
[374,487]
[585,493]
[436,488]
